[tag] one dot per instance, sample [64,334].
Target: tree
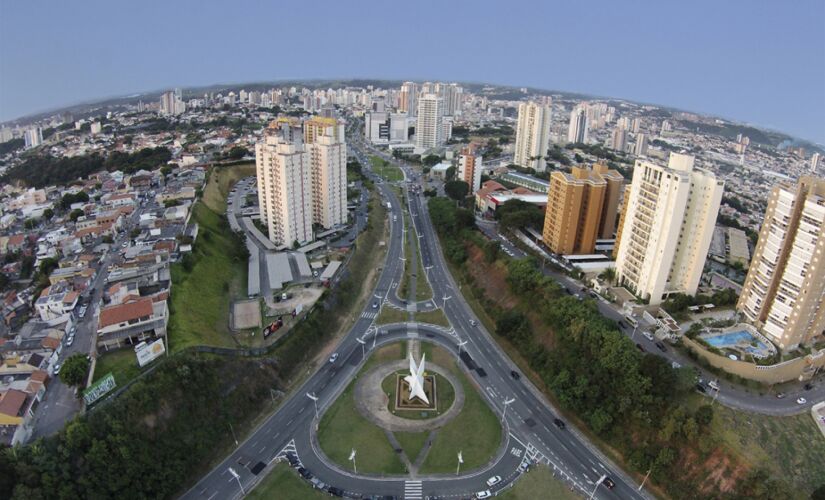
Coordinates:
[31,223]
[431,160]
[449,174]
[75,370]
[48,214]
[70,199]
[609,275]
[237,152]
[457,190]
[76,214]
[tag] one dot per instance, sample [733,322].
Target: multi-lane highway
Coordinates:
[529,429]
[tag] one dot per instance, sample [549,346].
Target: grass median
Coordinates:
[284,483]
[386,170]
[539,483]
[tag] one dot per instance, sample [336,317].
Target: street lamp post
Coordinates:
[238,478]
[352,459]
[460,344]
[645,479]
[363,347]
[604,476]
[233,433]
[460,461]
[507,403]
[314,399]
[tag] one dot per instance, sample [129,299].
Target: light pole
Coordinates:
[352,459]
[233,433]
[507,403]
[645,479]
[375,338]
[314,399]
[445,300]
[460,461]
[597,485]
[633,336]
[238,478]
[363,347]
[460,344]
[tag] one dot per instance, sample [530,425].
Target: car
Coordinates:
[481,372]
[524,466]
[649,336]
[609,483]
[333,358]
[72,330]
[472,322]
[661,347]
[57,369]
[493,480]
[639,347]
[306,474]
[780,395]
[70,340]
[559,423]
[701,388]
[484,494]
[336,492]
[621,324]
[375,304]
[516,375]
[799,401]
[808,386]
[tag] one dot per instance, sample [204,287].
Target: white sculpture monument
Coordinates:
[416,380]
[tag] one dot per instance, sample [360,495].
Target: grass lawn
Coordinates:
[539,483]
[390,314]
[386,170]
[445,395]
[477,448]
[435,317]
[200,297]
[411,442]
[792,448]
[284,483]
[342,428]
[121,363]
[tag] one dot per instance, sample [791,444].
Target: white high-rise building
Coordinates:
[533,135]
[666,227]
[33,137]
[408,98]
[641,145]
[577,130]
[285,183]
[327,146]
[784,292]
[452,93]
[429,131]
[815,159]
[171,103]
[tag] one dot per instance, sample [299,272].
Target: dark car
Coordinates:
[559,423]
[661,347]
[515,375]
[609,483]
[306,474]
[701,388]
[481,372]
[621,324]
[639,347]
[808,386]
[336,492]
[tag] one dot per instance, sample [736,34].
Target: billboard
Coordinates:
[146,353]
[99,389]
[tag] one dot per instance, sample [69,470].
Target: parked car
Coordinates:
[808,386]
[639,347]
[780,395]
[649,336]
[493,480]
[57,369]
[799,401]
[333,358]
[701,388]
[70,340]
[523,466]
[484,494]
[661,347]
[375,304]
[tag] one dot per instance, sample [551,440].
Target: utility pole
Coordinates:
[238,478]
[604,476]
[645,479]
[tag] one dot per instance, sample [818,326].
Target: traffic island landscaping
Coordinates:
[284,483]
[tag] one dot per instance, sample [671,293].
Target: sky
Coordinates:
[753,61]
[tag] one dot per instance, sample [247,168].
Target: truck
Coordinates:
[273,327]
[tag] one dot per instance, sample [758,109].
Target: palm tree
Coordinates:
[609,275]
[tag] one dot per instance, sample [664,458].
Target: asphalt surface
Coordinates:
[530,432]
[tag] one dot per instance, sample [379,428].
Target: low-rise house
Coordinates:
[132,322]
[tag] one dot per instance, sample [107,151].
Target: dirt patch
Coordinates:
[246,314]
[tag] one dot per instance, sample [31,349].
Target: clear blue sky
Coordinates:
[756,61]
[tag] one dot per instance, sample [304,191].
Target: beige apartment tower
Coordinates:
[667,223]
[784,292]
[581,207]
[533,135]
[327,147]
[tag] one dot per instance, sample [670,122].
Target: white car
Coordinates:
[648,336]
[57,369]
[493,480]
[333,357]
[70,340]
[484,494]
[801,401]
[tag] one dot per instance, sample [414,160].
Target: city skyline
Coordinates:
[742,79]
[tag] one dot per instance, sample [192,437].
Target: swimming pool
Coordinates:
[741,340]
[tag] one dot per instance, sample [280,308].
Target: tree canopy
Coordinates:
[75,370]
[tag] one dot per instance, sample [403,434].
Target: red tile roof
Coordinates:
[12,402]
[125,312]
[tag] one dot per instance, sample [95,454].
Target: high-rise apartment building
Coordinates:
[33,137]
[429,131]
[581,208]
[285,183]
[533,135]
[666,227]
[784,292]
[815,159]
[452,93]
[469,167]
[408,98]
[641,145]
[171,103]
[577,130]
[327,147]
[618,140]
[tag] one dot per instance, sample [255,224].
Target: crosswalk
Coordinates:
[412,490]
[369,315]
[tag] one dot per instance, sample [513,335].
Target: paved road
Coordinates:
[529,418]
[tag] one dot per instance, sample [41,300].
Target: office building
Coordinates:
[469,167]
[429,130]
[618,140]
[577,130]
[581,208]
[408,98]
[532,135]
[33,137]
[285,183]
[641,145]
[784,292]
[666,228]
[324,140]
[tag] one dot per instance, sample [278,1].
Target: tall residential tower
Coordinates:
[532,135]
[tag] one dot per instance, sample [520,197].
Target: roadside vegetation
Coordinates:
[284,483]
[539,482]
[635,403]
[386,170]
